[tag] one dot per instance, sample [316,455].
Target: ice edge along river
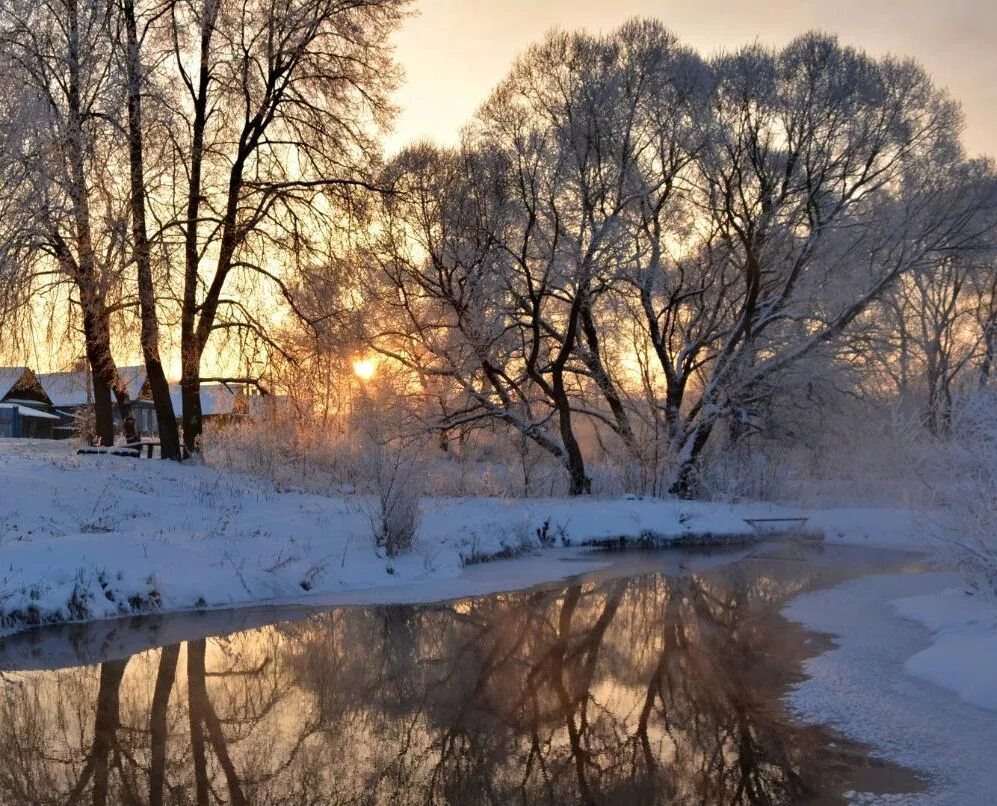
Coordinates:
[863,687]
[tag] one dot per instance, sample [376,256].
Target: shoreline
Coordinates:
[861,688]
[85,538]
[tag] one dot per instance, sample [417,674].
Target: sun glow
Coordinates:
[364,368]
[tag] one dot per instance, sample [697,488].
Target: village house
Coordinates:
[50,405]
[71,396]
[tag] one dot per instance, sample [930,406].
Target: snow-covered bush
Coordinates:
[393,474]
[85,427]
[290,449]
[965,475]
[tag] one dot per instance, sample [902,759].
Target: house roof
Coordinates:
[9,377]
[73,388]
[216,398]
[134,378]
[20,383]
[27,411]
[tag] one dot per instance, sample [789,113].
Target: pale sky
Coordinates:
[455,51]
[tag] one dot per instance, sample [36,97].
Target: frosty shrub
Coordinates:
[966,473]
[85,427]
[287,448]
[393,476]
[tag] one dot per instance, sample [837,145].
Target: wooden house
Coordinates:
[71,394]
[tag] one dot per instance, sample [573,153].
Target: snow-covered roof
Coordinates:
[66,388]
[134,378]
[20,383]
[27,411]
[73,388]
[216,398]
[9,377]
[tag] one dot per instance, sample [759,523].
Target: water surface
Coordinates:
[657,680]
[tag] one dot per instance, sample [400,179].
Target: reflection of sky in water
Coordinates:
[630,689]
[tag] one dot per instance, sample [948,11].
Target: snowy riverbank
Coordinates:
[89,537]
[914,696]
[84,538]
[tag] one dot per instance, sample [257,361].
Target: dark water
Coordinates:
[629,686]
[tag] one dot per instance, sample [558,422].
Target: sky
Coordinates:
[454,51]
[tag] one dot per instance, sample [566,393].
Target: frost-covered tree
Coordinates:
[962,471]
[933,333]
[736,217]
[521,235]
[826,176]
[64,205]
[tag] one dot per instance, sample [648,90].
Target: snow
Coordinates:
[87,537]
[26,411]
[878,527]
[216,399]
[963,652]
[9,378]
[84,538]
[73,388]
[866,689]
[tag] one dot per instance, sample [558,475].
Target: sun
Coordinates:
[364,368]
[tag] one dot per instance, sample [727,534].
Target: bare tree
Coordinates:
[935,327]
[59,52]
[522,237]
[169,435]
[824,179]
[274,108]
[748,212]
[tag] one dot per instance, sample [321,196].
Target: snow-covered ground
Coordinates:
[88,537]
[963,652]
[894,686]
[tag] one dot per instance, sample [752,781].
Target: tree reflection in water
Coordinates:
[640,690]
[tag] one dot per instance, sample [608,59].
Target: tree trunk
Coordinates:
[190,390]
[169,437]
[190,350]
[105,374]
[687,483]
[102,414]
[579,482]
[96,321]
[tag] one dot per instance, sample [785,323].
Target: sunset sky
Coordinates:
[455,51]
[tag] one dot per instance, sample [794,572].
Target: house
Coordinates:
[71,394]
[24,405]
[218,401]
[48,405]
